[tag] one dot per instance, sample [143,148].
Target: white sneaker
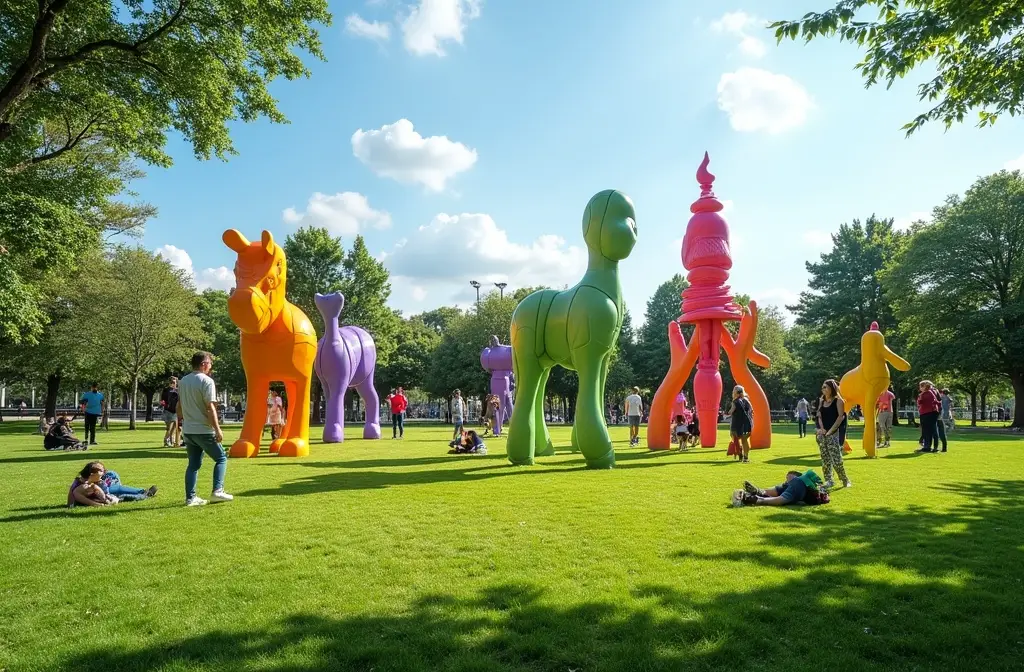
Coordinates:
[848,484]
[195,501]
[828,485]
[220,496]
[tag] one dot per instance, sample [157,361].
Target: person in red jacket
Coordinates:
[398,403]
[928,406]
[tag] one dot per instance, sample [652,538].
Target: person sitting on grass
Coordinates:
[44,424]
[469,442]
[112,485]
[60,436]
[680,432]
[799,488]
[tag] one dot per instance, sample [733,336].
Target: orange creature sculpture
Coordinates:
[278,343]
[863,384]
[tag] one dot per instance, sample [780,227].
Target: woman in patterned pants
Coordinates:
[832,432]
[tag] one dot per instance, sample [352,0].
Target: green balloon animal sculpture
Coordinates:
[577,329]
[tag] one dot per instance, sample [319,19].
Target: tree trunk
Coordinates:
[974,407]
[984,401]
[1017,380]
[317,393]
[52,388]
[150,392]
[132,402]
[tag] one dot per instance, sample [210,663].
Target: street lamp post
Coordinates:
[476,285]
[501,288]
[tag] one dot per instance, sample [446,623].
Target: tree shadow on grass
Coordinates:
[96,453]
[56,511]
[374,480]
[897,590]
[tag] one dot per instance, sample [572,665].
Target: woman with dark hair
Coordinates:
[60,437]
[741,422]
[831,435]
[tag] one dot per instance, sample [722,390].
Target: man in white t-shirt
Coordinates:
[200,427]
[634,411]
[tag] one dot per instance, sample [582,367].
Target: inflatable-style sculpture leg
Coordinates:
[248,443]
[707,384]
[371,430]
[542,446]
[296,427]
[334,407]
[590,435]
[682,360]
[528,416]
[739,352]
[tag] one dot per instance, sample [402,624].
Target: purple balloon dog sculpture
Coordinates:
[345,357]
[498,360]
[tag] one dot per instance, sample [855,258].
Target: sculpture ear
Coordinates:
[267,241]
[235,240]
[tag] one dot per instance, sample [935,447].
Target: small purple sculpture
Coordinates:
[498,360]
[345,357]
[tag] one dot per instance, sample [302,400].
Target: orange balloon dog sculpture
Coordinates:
[708,304]
[278,343]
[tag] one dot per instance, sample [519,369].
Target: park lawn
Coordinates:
[392,555]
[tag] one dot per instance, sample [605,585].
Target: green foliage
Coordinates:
[415,344]
[366,285]
[132,72]
[134,315]
[845,296]
[973,46]
[652,352]
[314,260]
[222,339]
[959,284]
[771,340]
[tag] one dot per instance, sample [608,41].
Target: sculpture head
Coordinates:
[260,274]
[329,305]
[706,242]
[609,225]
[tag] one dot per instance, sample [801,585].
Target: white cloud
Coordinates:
[371,30]
[1015,164]
[744,26]
[208,278]
[758,100]
[444,255]
[433,22]
[343,214]
[904,223]
[399,152]
[819,240]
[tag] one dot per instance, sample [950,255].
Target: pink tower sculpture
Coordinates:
[707,303]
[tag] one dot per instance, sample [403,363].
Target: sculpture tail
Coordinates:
[329,305]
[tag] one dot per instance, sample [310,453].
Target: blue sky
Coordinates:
[463,139]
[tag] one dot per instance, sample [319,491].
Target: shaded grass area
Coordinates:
[394,556]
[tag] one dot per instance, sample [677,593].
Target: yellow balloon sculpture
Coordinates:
[278,343]
[865,383]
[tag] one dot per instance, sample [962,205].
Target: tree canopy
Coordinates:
[974,48]
[72,72]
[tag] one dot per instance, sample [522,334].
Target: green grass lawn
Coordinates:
[392,555]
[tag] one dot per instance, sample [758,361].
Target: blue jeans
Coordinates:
[195,446]
[397,424]
[124,492]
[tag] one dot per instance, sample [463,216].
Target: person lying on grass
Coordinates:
[799,488]
[469,442]
[680,431]
[95,486]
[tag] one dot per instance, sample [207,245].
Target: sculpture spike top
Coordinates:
[707,256]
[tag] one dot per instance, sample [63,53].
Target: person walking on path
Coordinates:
[197,415]
[92,403]
[802,412]
[884,417]
[634,412]
[398,403]
[831,433]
